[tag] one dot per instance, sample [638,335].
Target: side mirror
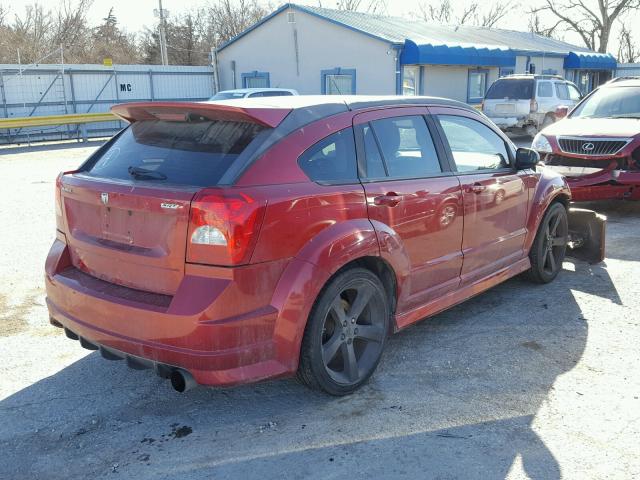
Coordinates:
[526,158]
[562,111]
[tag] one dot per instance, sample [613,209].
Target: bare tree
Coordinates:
[592,22]
[628,52]
[495,13]
[439,13]
[228,18]
[370,6]
[470,14]
[536,26]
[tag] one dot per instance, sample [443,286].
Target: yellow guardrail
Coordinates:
[49,120]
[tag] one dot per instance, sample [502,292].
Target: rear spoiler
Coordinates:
[177,111]
[587,231]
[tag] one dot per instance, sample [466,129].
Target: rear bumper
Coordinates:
[509,122]
[515,122]
[220,325]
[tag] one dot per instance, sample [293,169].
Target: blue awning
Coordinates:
[590,61]
[414,54]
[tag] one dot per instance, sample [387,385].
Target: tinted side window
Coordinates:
[407,147]
[474,145]
[331,160]
[545,89]
[562,91]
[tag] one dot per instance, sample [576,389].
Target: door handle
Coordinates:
[390,199]
[477,188]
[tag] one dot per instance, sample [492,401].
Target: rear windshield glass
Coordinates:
[180,153]
[515,89]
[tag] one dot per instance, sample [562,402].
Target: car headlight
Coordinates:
[541,144]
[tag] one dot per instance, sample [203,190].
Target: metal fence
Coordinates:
[64,89]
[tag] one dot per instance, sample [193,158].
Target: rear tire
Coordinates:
[549,247]
[345,334]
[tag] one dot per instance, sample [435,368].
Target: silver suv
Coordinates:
[527,103]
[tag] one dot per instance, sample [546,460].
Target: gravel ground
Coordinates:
[523,381]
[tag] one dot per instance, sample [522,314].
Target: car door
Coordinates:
[495,195]
[410,189]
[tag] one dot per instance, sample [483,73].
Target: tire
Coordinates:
[344,339]
[550,245]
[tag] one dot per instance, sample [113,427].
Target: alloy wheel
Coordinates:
[554,243]
[353,333]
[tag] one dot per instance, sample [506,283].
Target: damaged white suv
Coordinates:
[527,103]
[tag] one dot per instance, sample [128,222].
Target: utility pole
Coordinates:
[162,14]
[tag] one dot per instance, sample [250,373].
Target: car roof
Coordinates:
[627,82]
[257,89]
[340,102]
[534,76]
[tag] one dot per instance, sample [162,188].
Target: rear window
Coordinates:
[196,153]
[332,160]
[515,89]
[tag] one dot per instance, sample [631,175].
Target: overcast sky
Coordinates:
[134,15]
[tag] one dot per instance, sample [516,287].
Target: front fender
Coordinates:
[550,186]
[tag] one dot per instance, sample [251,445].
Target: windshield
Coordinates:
[516,89]
[612,102]
[227,95]
[196,153]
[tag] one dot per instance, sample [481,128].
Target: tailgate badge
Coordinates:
[170,206]
[105,198]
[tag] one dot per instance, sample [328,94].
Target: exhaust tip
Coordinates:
[181,381]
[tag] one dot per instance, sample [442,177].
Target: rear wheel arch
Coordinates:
[312,348]
[380,268]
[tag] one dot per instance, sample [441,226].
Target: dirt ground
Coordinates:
[524,381]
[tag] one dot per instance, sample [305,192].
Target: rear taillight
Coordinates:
[59,202]
[223,227]
[533,106]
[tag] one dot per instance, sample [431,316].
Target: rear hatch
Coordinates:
[127,209]
[509,97]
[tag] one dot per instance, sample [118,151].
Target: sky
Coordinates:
[134,15]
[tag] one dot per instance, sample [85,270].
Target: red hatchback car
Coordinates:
[597,146]
[223,243]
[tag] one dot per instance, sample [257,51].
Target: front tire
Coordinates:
[345,334]
[549,247]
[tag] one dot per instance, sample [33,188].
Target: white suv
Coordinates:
[527,103]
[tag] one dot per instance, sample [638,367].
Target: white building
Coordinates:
[317,50]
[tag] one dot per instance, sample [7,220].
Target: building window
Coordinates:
[504,71]
[339,81]
[255,79]
[411,80]
[477,85]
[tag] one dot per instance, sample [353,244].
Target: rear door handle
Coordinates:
[477,188]
[390,199]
